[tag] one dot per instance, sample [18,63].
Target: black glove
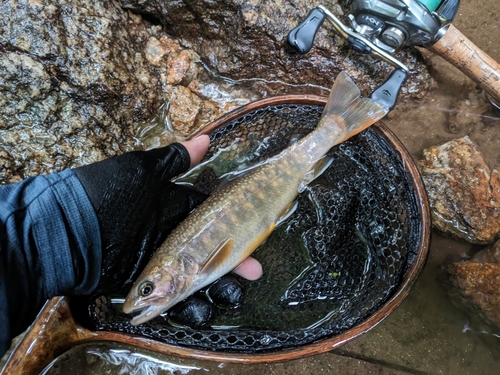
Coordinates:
[137,207]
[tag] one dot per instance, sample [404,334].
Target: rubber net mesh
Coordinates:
[334,262]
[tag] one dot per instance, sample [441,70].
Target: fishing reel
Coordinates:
[302,38]
[386,24]
[380,27]
[390,24]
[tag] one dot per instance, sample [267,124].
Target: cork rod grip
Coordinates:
[466,56]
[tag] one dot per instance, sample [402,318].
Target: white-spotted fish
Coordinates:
[235,220]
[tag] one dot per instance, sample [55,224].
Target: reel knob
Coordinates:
[393,37]
[302,37]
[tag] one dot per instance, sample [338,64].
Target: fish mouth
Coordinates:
[146,313]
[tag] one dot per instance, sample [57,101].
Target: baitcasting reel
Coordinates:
[380,27]
[391,24]
[302,38]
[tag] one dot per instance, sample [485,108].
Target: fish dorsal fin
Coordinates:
[345,102]
[218,256]
[316,171]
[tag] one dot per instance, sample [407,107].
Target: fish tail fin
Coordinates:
[345,102]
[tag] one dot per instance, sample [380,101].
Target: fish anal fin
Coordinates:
[287,212]
[218,256]
[317,170]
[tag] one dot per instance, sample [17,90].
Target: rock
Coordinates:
[476,287]
[73,79]
[182,69]
[489,255]
[244,39]
[159,50]
[77,81]
[84,80]
[464,193]
[475,284]
[184,108]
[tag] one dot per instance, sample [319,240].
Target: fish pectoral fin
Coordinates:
[316,171]
[218,256]
[287,212]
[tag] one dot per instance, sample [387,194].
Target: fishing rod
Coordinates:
[380,27]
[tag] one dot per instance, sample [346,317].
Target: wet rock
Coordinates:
[159,50]
[248,39]
[73,79]
[464,193]
[192,312]
[476,285]
[182,68]
[184,109]
[489,255]
[227,292]
[77,80]
[84,80]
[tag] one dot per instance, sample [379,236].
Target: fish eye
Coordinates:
[146,288]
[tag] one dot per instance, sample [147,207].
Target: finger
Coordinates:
[197,148]
[250,269]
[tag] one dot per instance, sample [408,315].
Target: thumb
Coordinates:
[197,147]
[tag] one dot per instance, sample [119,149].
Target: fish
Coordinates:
[232,222]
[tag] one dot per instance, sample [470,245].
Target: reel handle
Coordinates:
[458,50]
[302,37]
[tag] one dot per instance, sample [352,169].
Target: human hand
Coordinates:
[137,207]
